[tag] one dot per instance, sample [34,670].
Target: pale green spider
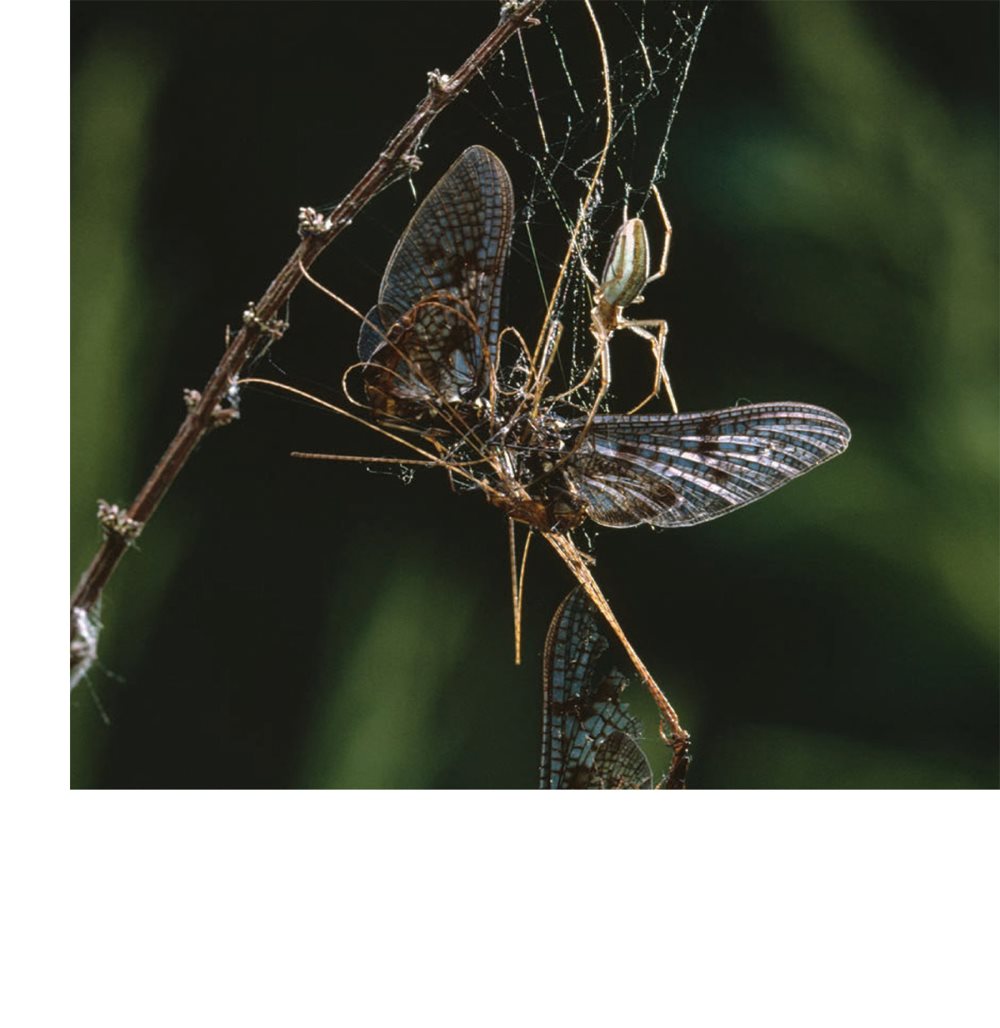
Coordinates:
[625,275]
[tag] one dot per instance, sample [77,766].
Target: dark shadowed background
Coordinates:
[832,183]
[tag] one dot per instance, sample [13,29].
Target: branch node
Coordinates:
[404,165]
[410,163]
[273,327]
[439,82]
[312,223]
[115,520]
[511,7]
[222,415]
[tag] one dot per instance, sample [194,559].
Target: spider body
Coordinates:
[626,271]
[625,275]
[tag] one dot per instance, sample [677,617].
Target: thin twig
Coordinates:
[205,410]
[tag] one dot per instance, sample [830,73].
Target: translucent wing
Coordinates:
[588,736]
[438,310]
[619,763]
[430,355]
[679,469]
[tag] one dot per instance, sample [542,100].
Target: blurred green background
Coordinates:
[833,190]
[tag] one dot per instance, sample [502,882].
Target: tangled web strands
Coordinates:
[548,100]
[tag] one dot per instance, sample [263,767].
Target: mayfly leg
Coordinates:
[517,576]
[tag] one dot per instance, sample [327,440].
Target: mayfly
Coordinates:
[438,375]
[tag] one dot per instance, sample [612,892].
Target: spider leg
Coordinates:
[589,275]
[667,233]
[544,364]
[658,344]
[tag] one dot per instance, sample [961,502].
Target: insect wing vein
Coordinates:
[440,295]
[588,735]
[677,470]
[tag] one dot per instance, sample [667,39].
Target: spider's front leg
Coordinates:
[667,234]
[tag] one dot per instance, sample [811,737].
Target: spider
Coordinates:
[625,275]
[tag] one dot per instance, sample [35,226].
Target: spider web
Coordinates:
[579,171]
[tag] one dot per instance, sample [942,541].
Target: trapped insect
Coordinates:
[439,376]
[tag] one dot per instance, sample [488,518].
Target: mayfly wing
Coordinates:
[681,469]
[438,311]
[620,764]
[430,356]
[589,739]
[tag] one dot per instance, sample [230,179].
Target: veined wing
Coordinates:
[431,354]
[588,736]
[438,310]
[619,763]
[673,470]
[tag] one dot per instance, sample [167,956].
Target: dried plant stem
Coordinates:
[204,411]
